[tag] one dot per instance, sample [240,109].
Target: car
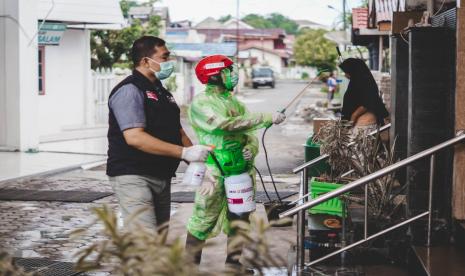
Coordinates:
[263,77]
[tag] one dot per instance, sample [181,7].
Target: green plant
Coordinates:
[324,89]
[366,155]
[171,84]
[311,48]
[142,253]
[384,202]
[136,252]
[305,76]
[274,20]
[258,250]
[334,138]
[113,46]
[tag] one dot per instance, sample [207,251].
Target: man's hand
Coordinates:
[247,154]
[278,118]
[197,153]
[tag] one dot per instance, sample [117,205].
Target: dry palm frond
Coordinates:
[135,253]
[365,156]
[369,156]
[259,254]
[145,253]
[334,138]
[8,268]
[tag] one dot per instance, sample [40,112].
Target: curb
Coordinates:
[84,166]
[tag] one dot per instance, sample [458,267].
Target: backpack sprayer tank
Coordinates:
[238,184]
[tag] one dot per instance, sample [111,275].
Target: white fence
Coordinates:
[103,81]
[295,73]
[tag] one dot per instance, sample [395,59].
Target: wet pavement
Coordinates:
[43,229]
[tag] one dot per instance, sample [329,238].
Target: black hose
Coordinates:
[263,183]
[268,164]
[217,163]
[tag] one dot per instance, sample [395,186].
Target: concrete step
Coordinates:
[369,270]
[438,261]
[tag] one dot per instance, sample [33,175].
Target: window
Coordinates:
[41,70]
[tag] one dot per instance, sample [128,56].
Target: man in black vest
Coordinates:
[145,136]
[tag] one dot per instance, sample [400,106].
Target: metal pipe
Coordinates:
[364,180]
[380,233]
[300,250]
[365,222]
[347,173]
[326,156]
[430,197]
[310,163]
[303,214]
[344,232]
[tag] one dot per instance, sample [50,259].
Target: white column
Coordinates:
[18,74]
[89,97]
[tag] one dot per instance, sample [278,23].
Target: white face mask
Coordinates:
[166,69]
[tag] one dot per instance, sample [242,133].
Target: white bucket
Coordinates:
[194,174]
[240,193]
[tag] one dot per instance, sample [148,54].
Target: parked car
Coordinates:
[263,77]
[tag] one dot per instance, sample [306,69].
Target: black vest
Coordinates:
[162,116]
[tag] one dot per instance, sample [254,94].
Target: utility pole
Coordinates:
[237,41]
[237,31]
[344,18]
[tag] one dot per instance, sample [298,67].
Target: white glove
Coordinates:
[247,153]
[197,153]
[278,118]
[207,188]
[208,184]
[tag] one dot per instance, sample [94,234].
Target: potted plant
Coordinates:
[333,138]
[365,156]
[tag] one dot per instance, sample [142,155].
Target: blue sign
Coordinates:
[51,33]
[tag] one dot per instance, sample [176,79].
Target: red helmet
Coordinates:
[210,66]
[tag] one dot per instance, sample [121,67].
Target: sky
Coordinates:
[313,10]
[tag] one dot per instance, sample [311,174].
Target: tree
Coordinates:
[257,21]
[113,46]
[126,5]
[225,18]
[280,21]
[274,20]
[311,48]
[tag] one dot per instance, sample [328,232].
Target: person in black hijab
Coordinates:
[362,104]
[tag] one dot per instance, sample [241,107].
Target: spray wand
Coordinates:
[303,90]
[266,129]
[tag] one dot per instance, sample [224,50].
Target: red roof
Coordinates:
[214,34]
[360,18]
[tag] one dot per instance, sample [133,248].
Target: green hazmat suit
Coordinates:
[219,119]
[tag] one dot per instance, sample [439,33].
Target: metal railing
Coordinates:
[304,194]
[362,182]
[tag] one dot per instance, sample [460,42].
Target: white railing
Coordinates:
[103,81]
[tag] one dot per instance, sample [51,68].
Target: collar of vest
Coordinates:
[143,83]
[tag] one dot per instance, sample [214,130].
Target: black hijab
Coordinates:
[362,91]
